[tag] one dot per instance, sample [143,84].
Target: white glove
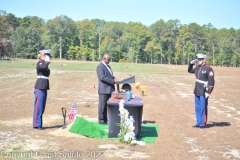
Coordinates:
[47,58]
[194,61]
[206,95]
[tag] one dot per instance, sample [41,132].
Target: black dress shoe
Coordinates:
[195,126]
[103,122]
[39,128]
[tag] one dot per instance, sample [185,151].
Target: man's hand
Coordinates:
[194,61]
[116,80]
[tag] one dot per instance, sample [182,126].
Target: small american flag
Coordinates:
[73,112]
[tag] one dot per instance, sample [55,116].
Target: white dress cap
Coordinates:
[45,51]
[201,56]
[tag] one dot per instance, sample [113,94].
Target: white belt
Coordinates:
[204,82]
[44,77]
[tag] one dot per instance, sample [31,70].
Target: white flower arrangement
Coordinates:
[126,134]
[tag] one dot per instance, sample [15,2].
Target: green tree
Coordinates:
[33,40]
[19,36]
[99,30]
[27,37]
[189,51]
[138,36]
[171,38]
[61,31]
[159,31]
[113,42]
[212,42]
[197,37]
[178,49]
[8,23]
[151,49]
[184,36]
[226,45]
[86,35]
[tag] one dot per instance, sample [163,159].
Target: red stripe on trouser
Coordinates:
[36,108]
[205,117]
[205,114]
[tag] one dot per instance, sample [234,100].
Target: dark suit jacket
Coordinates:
[105,80]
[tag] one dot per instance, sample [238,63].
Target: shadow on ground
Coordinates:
[217,124]
[50,127]
[145,122]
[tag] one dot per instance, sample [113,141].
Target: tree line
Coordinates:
[163,42]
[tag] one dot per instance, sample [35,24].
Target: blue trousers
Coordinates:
[201,110]
[40,98]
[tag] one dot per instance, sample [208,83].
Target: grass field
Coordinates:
[168,103]
[88,66]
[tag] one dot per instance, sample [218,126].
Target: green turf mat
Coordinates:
[148,134]
[86,128]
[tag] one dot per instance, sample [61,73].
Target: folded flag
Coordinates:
[73,112]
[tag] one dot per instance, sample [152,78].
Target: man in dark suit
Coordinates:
[106,82]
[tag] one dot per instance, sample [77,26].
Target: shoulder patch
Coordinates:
[211,73]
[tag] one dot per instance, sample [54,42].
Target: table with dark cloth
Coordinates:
[135,109]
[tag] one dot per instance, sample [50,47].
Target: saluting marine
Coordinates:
[203,88]
[41,87]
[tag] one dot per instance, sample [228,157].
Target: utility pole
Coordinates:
[60,47]
[213,58]
[99,41]
[213,54]
[151,57]
[99,31]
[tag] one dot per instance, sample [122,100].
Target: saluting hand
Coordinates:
[194,61]
[47,59]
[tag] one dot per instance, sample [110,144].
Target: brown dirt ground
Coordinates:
[168,103]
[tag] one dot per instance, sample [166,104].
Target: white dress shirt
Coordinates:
[107,67]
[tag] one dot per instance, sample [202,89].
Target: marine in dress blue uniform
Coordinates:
[203,88]
[41,87]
